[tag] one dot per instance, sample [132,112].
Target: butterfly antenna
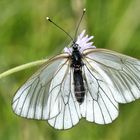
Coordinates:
[84,10]
[60,28]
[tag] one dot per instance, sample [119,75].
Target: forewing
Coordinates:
[70,111]
[40,96]
[99,105]
[120,72]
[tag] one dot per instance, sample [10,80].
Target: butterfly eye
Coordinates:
[75,46]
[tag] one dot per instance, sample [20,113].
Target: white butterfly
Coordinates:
[81,82]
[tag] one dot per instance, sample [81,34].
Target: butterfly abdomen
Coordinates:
[79,85]
[77,64]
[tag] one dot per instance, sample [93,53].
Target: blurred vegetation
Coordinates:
[25,35]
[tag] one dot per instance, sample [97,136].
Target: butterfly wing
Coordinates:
[70,111]
[99,105]
[34,98]
[49,95]
[120,71]
[111,78]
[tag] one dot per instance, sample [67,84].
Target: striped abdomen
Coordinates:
[79,85]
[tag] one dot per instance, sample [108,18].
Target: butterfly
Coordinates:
[82,82]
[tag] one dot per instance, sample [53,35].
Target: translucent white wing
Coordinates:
[70,111]
[120,72]
[49,95]
[39,97]
[99,105]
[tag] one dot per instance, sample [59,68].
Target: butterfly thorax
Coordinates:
[76,64]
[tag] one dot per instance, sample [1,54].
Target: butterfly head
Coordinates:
[75,46]
[83,42]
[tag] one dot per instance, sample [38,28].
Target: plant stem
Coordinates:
[22,67]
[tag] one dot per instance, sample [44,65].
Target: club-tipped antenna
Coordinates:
[76,31]
[60,28]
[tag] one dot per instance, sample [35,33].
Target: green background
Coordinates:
[25,36]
